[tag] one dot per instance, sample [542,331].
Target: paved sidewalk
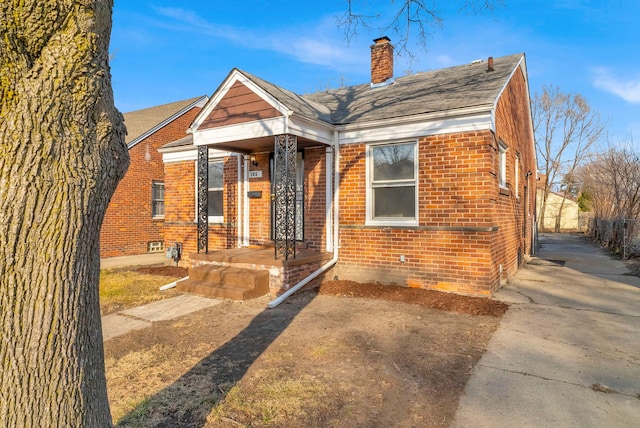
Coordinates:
[137,260]
[567,353]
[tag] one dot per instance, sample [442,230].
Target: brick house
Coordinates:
[134,221]
[424,180]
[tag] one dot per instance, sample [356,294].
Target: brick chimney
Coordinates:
[381,60]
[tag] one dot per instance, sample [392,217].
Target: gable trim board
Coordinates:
[199,102]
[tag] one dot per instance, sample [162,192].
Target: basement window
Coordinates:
[392,184]
[155,247]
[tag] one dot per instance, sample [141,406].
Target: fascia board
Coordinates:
[236,76]
[404,129]
[312,130]
[242,131]
[200,102]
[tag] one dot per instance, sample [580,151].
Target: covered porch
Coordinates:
[249,272]
[283,201]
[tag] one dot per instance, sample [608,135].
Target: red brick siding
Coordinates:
[468,227]
[315,183]
[180,206]
[128,225]
[514,128]
[260,208]
[455,180]
[180,209]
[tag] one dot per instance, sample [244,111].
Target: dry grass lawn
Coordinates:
[120,289]
[317,360]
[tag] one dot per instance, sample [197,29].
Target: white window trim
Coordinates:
[517,176]
[502,164]
[210,219]
[157,216]
[389,221]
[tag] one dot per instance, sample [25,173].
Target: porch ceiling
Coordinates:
[259,145]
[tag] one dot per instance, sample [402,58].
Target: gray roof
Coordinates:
[140,121]
[186,141]
[447,89]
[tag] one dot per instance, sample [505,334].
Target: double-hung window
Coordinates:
[214,190]
[157,199]
[392,184]
[502,165]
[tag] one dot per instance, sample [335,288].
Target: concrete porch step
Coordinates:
[224,282]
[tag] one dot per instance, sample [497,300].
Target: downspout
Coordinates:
[336,217]
[240,185]
[245,214]
[328,203]
[172,284]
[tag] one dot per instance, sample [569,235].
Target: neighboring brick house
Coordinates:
[424,180]
[134,220]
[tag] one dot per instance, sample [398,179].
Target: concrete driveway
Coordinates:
[567,353]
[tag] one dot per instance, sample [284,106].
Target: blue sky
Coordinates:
[165,51]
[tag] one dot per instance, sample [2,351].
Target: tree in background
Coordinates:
[566,129]
[406,18]
[612,181]
[62,155]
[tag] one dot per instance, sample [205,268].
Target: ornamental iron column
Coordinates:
[286,147]
[203,199]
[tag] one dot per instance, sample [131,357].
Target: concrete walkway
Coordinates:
[137,260]
[567,353]
[114,325]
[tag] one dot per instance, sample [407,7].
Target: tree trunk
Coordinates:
[543,209]
[558,224]
[62,154]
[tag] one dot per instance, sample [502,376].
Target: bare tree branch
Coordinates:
[410,20]
[566,128]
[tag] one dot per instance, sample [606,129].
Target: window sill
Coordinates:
[213,220]
[157,217]
[504,191]
[391,224]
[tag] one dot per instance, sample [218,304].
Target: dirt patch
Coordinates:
[173,271]
[381,357]
[432,299]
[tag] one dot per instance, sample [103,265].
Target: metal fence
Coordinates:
[620,235]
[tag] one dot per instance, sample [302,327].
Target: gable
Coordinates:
[239,105]
[142,123]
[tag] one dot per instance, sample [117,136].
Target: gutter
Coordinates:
[336,217]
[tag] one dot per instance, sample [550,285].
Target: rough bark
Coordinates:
[62,154]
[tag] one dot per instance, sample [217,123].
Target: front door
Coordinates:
[299,197]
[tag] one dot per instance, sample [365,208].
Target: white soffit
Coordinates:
[191,155]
